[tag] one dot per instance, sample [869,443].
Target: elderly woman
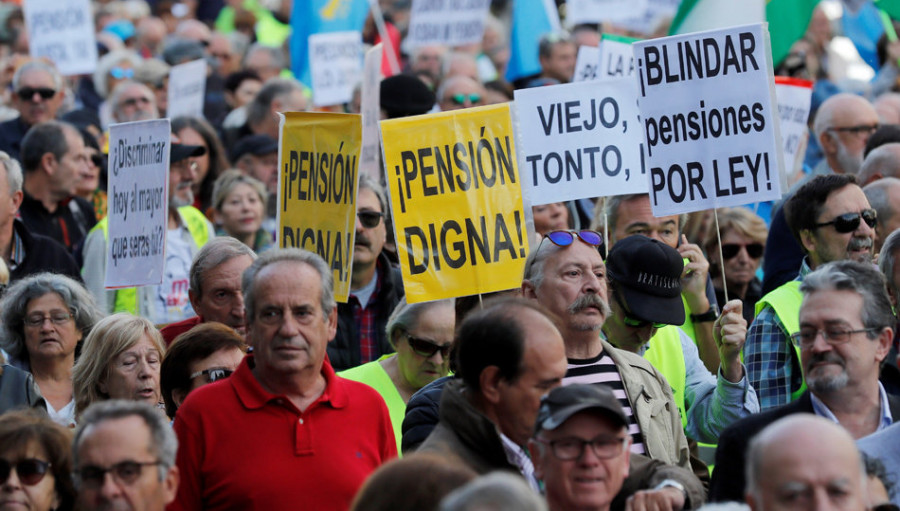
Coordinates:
[421,334]
[240,208]
[120,360]
[35,463]
[743,242]
[44,318]
[196,131]
[112,69]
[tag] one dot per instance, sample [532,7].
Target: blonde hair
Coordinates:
[741,220]
[109,337]
[228,181]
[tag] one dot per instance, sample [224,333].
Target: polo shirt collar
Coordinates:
[253,396]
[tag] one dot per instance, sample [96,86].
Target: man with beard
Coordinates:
[188,230]
[843,125]
[845,331]
[831,219]
[133,101]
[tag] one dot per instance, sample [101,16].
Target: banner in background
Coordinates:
[336,65]
[187,89]
[62,32]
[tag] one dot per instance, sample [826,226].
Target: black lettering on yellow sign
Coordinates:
[319,177]
[332,246]
[457,245]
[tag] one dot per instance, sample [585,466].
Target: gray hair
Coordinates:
[164,443]
[551,39]
[366,182]
[216,251]
[294,255]
[612,214]
[884,160]
[534,264]
[452,56]
[15,303]
[109,61]
[13,173]
[38,65]
[275,53]
[887,259]
[497,491]
[116,96]
[879,198]
[43,138]
[258,109]
[406,316]
[861,278]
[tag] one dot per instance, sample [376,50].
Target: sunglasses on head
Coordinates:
[849,222]
[30,471]
[369,219]
[566,238]
[425,348]
[212,375]
[460,99]
[632,321]
[26,93]
[730,250]
[120,72]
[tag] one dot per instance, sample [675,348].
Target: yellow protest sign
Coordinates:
[456,200]
[319,156]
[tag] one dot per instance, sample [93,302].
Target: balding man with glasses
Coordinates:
[843,125]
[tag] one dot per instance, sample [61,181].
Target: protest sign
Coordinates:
[446,22]
[370,108]
[138,190]
[187,89]
[580,140]
[335,60]
[707,103]
[456,200]
[62,32]
[616,56]
[319,160]
[599,11]
[794,96]
[586,64]
[650,18]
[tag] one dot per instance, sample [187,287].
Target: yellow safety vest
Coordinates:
[665,354]
[785,301]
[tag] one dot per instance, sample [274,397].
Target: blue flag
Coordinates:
[315,17]
[530,21]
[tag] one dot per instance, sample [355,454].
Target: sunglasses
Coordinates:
[632,321]
[426,349]
[97,160]
[849,222]
[566,238]
[213,375]
[26,93]
[30,471]
[369,219]
[460,99]
[126,472]
[120,72]
[730,250]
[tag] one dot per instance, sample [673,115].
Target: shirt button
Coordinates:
[301,421]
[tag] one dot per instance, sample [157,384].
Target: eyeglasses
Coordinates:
[425,348]
[369,219]
[26,93]
[30,470]
[125,472]
[730,250]
[861,129]
[120,72]
[214,374]
[97,160]
[849,222]
[134,101]
[566,238]
[57,318]
[806,337]
[460,99]
[632,321]
[572,448]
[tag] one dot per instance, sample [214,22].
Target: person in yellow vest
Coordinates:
[831,219]
[645,288]
[188,231]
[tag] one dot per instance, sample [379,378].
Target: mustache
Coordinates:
[589,300]
[829,357]
[360,239]
[860,243]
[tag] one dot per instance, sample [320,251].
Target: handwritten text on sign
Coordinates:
[62,32]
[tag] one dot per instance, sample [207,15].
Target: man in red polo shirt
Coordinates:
[283,432]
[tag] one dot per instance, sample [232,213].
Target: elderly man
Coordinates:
[556,54]
[882,161]
[832,220]
[124,457]
[133,101]
[37,95]
[458,92]
[215,286]
[843,125]
[315,437]
[257,156]
[884,197]
[845,331]
[277,95]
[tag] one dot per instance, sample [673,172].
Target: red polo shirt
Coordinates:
[173,330]
[240,447]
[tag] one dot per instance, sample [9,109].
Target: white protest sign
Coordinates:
[64,33]
[648,20]
[335,63]
[598,11]
[616,56]
[586,64]
[794,96]
[138,203]
[370,108]
[446,22]
[187,89]
[707,103]
[579,140]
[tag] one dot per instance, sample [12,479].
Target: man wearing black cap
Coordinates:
[188,231]
[573,417]
[404,95]
[257,156]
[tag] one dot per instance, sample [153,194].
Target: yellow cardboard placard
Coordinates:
[318,154]
[456,200]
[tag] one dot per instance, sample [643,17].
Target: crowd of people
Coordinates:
[738,358]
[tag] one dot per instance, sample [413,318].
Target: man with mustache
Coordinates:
[831,219]
[845,329]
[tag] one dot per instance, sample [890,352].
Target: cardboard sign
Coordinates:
[459,219]
[318,154]
[446,22]
[587,64]
[335,60]
[187,89]
[794,96]
[616,56]
[598,11]
[580,140]
[370,108]
[138,203]
[707,103]
[62,32]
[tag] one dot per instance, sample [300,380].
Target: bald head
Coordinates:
[887,106]
[843,125]
[883,161]
[883,195]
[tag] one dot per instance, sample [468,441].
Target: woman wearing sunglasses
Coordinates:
[421,334]
[35,463]
[743,242]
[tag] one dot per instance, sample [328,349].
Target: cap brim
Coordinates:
[557,419]
[651,308]
[179,152]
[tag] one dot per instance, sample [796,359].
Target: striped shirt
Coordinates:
[602,369]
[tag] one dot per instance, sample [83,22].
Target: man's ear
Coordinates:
[528,289]
[490,381]
[48,163]
[828,143]
[194,299]
[808,240]
[885,340]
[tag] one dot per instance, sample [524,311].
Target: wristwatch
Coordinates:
[711,315]
[671,483]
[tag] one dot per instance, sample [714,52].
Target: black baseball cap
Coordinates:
[405,95]
[180,152]
[647,274]
[563,402]
[257,145]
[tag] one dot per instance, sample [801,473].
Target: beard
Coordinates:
[176,201]
[857,243]
[827,383]
[850,163]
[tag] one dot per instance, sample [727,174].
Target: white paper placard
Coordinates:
[335,62]
[794,98]
[446,22]
[598,11]
[187,89]
[587,64]
[616,56]
[62,32]
[370,108]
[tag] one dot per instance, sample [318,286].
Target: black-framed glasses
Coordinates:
[30,471]
[97,160]
[860,129]
[806,337]
[126,472]
[631,321]
[57,318]
[460,99]
[572,448]
[730,250]
[425,348]
[369,219]
[849,222]
[26,93]
[213,374]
